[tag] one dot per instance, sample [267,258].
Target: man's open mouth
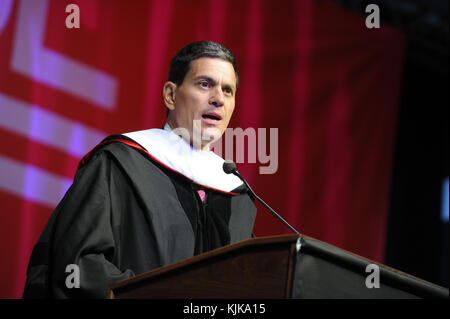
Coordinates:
[212,116]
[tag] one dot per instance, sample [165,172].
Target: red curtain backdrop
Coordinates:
[308,68]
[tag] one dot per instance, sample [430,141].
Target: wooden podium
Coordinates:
[277,267]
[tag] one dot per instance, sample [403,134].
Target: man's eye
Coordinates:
[228,91]
[204,84]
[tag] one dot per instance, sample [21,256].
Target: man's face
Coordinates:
[204,102]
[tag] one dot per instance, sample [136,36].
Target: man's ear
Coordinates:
[169,90]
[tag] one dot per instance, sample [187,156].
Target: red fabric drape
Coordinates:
[310,69]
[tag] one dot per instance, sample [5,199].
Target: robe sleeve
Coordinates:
[79,239]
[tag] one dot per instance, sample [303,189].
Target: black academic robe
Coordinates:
[125,214]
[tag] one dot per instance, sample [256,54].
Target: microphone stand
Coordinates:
[235,172]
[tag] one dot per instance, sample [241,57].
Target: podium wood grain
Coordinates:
[253,268]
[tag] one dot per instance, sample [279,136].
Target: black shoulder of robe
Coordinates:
[126,214]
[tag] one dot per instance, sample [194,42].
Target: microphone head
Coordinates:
[229,167]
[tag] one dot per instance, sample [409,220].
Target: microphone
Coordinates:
[229,167]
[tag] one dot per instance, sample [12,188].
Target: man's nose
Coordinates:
[217,98]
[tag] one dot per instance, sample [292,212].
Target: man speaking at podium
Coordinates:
[146,199]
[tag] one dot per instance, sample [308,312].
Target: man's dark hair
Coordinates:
[181,62]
